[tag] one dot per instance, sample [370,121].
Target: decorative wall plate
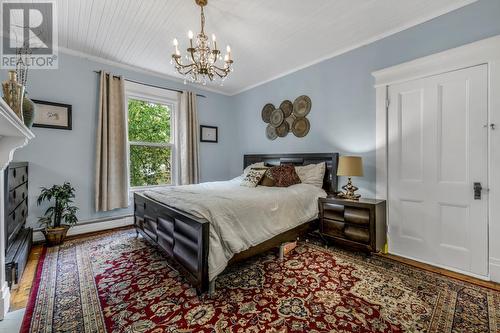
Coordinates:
[301,106]
[266,112]
[283,129]
[287,107]
[301,127]
[271,132]
[277,118]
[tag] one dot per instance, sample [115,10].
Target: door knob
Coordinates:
[478,188]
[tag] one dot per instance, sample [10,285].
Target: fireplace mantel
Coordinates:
[13,135]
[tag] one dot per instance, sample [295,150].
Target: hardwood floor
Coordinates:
[19,297]
[442,271]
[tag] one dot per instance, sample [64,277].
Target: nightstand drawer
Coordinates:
[333,228]
[357,215]
[357,224]
[333,212]
[357,234]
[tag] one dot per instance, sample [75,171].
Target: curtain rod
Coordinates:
[152,85]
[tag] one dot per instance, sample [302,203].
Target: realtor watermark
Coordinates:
[29,34]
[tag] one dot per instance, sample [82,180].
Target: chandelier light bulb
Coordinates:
[213,37]
[190,34]
[176,42]
[228,49]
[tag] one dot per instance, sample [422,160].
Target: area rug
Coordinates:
[119,283]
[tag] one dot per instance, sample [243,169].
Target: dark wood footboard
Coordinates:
[182,237]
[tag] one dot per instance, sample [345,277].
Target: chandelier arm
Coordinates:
[177,60]
[225,70]
[221,75]
[181,65]
[192,56]
[184,72]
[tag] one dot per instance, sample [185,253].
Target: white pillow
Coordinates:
[255,165]
[312,174]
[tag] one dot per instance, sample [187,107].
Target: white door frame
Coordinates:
[486,51]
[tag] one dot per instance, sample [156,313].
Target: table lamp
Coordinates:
[350,166]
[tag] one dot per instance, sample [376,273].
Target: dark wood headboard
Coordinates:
[330,182]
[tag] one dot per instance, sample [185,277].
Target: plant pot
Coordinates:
[55,236]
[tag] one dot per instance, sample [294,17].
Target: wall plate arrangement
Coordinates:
[289,117]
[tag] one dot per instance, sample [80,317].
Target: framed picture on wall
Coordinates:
[208,133]
[52,115]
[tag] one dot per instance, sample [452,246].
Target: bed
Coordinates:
[206,227]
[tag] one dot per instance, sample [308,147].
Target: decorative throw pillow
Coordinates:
[268,179]
[253,177]
[253,166]
[312,174]
[285,175]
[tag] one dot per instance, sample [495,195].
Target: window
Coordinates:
[150,136]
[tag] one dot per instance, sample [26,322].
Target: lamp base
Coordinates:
[349,191]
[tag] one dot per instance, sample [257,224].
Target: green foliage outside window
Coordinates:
[149,123]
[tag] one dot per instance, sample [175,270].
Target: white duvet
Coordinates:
[239,216]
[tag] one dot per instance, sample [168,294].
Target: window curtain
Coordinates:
[187,139]
[111,183]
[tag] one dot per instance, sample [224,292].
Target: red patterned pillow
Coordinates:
[285,175]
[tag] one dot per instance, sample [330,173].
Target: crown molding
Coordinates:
[368,41]
[138,69]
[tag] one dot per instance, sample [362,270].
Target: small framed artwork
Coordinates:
[208,133]
[52,115]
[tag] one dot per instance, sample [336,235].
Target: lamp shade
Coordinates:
[350,166]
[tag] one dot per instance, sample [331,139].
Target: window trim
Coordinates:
[160,96]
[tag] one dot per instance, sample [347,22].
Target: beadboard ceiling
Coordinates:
[269,38]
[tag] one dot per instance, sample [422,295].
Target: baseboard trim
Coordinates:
[451,269]
[91,226]
[494,269]
[4,299]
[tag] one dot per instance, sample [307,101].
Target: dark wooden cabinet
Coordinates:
[18,238]
[359,225]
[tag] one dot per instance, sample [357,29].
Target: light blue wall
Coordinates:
[56,156]
[343,98]
[342,117]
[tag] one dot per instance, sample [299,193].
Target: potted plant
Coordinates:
[60,211]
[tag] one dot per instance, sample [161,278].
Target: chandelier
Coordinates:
[201,63]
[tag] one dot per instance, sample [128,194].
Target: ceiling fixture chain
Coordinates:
[200,64]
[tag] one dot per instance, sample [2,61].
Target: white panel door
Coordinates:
[438,149]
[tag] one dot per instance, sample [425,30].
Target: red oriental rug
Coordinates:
[118,283]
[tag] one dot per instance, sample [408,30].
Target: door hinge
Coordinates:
[387,100]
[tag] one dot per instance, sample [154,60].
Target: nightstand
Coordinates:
[356,224]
